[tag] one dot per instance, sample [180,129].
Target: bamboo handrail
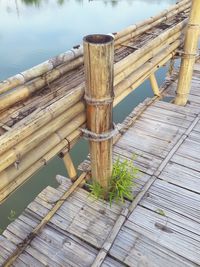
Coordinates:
[41,135]
[10,173]
[69,142]
[137,29]
[33,140]
[25,76]
[69,56]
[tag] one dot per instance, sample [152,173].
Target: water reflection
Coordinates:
[38,3]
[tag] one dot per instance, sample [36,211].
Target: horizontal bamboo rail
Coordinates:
[137,29]
[71,55]
[43,134]
[40,69]
[24,176]
[11,173]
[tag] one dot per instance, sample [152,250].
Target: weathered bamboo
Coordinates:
[143,73]
[69,165]
[137,29]
[99,62]
[69,142]
[126,62]
[44,221]
[24,91]
[9,174]
[150,20]
[189,55]
[33,122]
[19,150]
[72,54]
[154,84]
[137,59]
[40,69]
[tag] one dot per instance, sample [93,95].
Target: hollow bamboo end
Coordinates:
[98,39]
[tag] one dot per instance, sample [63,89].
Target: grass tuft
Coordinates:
[120,185]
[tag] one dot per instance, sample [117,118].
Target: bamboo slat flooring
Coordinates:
[160,227]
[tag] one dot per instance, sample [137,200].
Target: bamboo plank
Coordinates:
[136,249]
[181,176]
[188,155]
[174,201]
[175,238]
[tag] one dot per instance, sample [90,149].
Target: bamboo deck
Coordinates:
[161,227]
[42,109]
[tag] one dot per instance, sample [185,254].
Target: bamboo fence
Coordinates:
[37,138]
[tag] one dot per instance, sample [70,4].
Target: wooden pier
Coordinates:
[46,109]
[160,227]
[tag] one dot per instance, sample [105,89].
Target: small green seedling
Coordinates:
[121,182]
[161,212]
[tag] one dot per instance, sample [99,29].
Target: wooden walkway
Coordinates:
[161,227]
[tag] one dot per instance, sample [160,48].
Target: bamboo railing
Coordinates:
[55,127]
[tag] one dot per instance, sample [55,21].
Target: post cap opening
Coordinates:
[98,38]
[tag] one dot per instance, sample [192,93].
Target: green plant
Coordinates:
[120,184]
[161,212]
[12,216]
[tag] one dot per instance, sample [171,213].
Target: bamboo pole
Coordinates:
[69,165]
[189,55]
[22,92]
[33,122]
[10,188]
[9,174]
[19,249]
[127,61]
[137,58]
[26,76]
[69,56]
[135,30]
[143,73]
[19,150]
[99,62]
[154,84]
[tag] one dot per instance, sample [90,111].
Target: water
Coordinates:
[31,31]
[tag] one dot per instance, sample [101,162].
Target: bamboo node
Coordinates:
[98,102]
[95,137]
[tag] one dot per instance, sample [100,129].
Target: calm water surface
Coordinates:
[31,31]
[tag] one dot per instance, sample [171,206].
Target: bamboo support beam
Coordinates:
[154,84]
[72,173]
[99,62]
[189,55]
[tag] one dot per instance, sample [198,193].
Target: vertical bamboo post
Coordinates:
[154,84]
[99,95]
[189,55]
